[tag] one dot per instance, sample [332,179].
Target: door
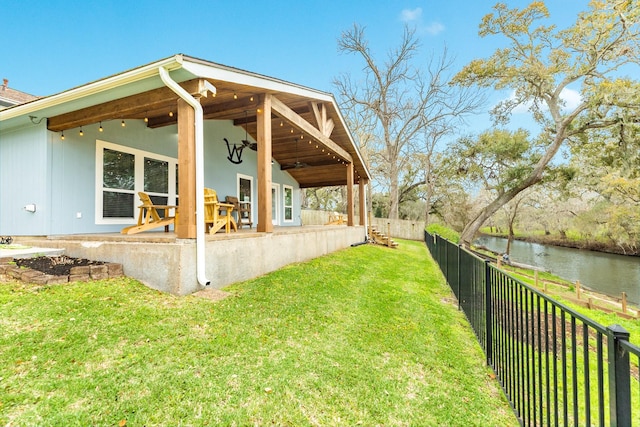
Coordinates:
[245,195]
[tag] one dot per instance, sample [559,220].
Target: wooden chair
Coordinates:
[214,219]
[149,217]
[236,208]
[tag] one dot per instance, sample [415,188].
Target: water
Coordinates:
[607,273]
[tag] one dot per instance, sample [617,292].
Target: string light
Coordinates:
[81,133]
[235,96]
[122,124]
[62,136]
[146,119]
[170,113]
[101,129]
[251,99]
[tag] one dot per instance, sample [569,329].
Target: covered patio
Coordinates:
[299,128]
[172,111]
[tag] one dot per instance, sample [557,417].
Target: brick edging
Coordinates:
[77,274]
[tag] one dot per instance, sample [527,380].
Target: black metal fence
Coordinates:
[556,366]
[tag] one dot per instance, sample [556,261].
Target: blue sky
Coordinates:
[52,46]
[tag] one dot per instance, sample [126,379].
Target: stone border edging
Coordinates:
[77,274]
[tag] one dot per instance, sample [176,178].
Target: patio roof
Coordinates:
[306,125]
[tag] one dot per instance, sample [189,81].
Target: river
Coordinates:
[607,273]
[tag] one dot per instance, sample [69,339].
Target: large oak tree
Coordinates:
[540,63]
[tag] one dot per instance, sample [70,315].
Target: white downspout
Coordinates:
[199,131]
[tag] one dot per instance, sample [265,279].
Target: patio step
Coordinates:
[380,238]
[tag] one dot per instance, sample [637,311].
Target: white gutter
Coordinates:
[199,131]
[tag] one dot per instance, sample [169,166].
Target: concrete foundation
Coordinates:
[168,264]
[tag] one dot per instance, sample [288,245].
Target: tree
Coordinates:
[542,63]
[401,101]
[612,170]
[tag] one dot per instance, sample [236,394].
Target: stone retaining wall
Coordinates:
[77,274]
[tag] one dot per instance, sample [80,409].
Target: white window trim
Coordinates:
[139,178]
[276,218]
[284,201]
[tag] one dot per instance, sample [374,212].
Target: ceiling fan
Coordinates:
[297,164]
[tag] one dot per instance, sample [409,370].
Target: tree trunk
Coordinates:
[470,230]
[393,193]
[509,239]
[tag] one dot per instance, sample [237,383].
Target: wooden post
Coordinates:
[624,302]
[499,262]
[263,118]
[362,200]
[186,222]
[590,303]
[578,289]
[389,234]
[350,200]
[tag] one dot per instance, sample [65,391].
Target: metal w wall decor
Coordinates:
[235,150]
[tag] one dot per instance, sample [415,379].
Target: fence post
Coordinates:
[488,316]
[458,272]
[619,377]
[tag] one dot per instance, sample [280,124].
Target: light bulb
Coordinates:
[170,113]
[123,124]
[81,133]
[62,136]
[101,129]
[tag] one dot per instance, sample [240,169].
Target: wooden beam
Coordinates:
[362,200]
[186,220]
[320,113]
[350,207]
[125,107]
[265,223]
[302,125]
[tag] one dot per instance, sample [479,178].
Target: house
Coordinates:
[71,165]
[10,97]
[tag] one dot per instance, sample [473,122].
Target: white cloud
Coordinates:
[414,16]
[408,15]
[433,28]
[571,98]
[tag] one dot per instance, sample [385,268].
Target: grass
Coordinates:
[365,336]
[444,232]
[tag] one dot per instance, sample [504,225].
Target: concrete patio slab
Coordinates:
[23,251]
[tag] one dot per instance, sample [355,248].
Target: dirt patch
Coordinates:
[55,265]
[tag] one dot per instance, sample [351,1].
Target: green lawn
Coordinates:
[365,336]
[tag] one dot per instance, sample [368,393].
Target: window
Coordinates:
[122,172]
[288,203]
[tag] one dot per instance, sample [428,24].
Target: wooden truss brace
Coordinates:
[320,112]
[282,110]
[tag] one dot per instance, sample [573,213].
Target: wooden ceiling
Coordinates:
[305,131]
